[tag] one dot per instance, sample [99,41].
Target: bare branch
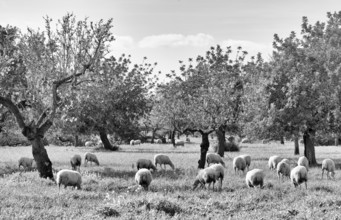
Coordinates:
[14,109]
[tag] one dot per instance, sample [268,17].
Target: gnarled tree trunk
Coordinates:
[221,141]
[309,148]
[106,143]
[205,144]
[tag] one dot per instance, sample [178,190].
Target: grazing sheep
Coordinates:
[214,158]
[239,164]
[283,169]
[89,157]
[137,142]
[254,178]
[299,175]
[247,159]
[163,159]
[303,161]
[179,143]
[207,175]
[89,144]
[329,166]
[273,161]
[69,178]
[286,161]
[145,163]
[76,161]
[143,177]
[219,173]
[26,163]
[132,142]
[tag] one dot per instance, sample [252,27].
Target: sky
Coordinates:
[166,31]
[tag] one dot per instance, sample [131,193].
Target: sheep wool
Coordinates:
[214,158]
[137,142]
[273,161]
[303,161]
[299,175]
[143,177]
[239,164]
[76,161]
[145,163]
[132,142]
[283,169]
[89,144]
[179,143]
[247,159]
[219,169]
[207,175]
[329,166]
[254,178]
[89,157]
[69,178]
[26,163]
[163,159]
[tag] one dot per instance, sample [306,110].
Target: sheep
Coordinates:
[273,161]
[26,163]
[329,166]
[239,164]
[283,168]
[143,177]
[303,161]
[214,158]
[137,142]
[247,159]
[286,161]
[76,161]
[91,158]
[207,175]
[299,175]
[132,142]
[254,178]
[179,143]
[69,178]
[188,139]
[89,144]
[219,172]
[145,163]
[163,159]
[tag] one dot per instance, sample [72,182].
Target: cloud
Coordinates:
[251,47]
[122,43]
[176,40]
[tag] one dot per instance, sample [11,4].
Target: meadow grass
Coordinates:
[108,190]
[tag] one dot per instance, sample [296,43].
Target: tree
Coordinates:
[52,61]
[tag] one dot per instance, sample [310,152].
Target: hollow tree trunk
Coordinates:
[297,146]
[104,138]
[205,144]
[309,148]
[221,141]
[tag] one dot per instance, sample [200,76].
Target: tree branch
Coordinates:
[14,109]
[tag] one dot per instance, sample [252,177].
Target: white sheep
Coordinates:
[299,175]
[239,164]
[329,166]
[132,142]
[163,159]
[303,161]
[286,161]
[273,161]
[214,158]
[69,178]
[254,178]
[26,163]
[179,143]
[143,177]
[89,157]
[89,144]
[207,175]
[283,169]
[145,163]
[219,169]
[137,142]
[247,159]
[76,161]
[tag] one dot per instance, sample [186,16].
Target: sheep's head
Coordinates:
[195,184]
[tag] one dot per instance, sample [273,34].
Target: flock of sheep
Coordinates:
[213,173]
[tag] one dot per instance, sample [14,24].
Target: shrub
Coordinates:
[168,207]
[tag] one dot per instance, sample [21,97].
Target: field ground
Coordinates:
[107,190]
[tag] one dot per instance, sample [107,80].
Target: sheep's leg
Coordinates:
[322,174]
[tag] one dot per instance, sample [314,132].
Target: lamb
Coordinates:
[179,143]
[143,177]
[69,178]
[91,158]
[303,161]
[239,164]
[163,159]
[214,158]
[283,169]
[329,166]
[76,161]
[145,163]
[247,159]
[273,161]
[219,169]
[26,163]
[207,175]
[299,175]
[254,178]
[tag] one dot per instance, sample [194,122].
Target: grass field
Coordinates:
[106,191]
